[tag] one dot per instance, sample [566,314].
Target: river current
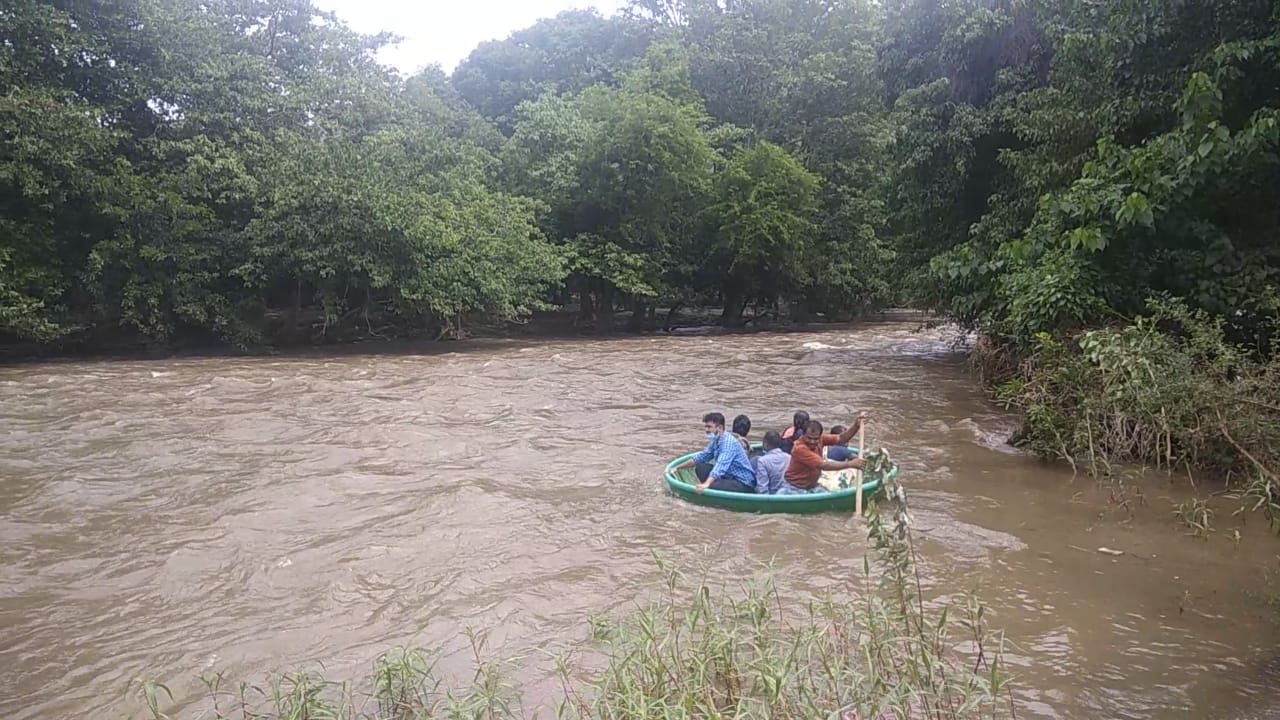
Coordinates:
[169,518]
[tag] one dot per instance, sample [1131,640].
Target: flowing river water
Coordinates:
[163,519]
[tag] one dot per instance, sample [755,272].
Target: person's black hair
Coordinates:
[714,417]
[742,425]
[838,429]
[812,424]
[801,419]
[772,440]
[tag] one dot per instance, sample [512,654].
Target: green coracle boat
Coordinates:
[681,484]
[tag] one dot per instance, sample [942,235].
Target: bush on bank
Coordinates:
[877,651]
[1169,388]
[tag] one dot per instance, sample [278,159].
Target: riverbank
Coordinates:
[355,337]
[1170,389]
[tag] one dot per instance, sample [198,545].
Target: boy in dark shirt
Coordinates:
[841,452]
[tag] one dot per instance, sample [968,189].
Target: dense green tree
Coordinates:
[802,74]
[1066,168]
[624,176]
[1087,156]
[644,183]
[564,54]
[764,214]
[171,169]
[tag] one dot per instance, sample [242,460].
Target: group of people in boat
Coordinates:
[791,462]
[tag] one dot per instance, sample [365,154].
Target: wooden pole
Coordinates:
[857,475]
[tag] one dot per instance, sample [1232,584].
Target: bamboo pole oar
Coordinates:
[857,474]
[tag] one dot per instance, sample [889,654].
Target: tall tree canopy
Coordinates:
[173,168]
[245,169]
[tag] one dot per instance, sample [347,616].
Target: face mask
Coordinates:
[711,436]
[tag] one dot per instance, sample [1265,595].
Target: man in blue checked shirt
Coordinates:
[732,471]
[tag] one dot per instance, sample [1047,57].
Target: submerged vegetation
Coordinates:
[876,650]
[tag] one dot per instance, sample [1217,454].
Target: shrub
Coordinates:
[1168,389]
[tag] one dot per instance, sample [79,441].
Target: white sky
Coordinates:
[446,31]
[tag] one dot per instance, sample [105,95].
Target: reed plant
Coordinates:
[873,650]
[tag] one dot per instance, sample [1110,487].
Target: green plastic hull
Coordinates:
[681,484]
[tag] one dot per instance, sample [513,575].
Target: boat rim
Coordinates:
[677,483]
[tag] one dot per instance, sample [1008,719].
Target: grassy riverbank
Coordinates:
[702,650]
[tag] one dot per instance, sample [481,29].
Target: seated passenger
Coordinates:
[741,427]
[771,466]
[725,462]
[807,463]
[841,451]
[793,433]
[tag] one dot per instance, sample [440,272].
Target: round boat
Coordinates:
[681,484]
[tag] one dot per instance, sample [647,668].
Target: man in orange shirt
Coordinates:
[807,463]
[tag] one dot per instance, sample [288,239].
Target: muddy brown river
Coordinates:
[247,515]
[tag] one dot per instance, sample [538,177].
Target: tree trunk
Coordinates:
[586,305]
[606,301]
[731,315]
[666,324]
[291,329]
[638,310]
